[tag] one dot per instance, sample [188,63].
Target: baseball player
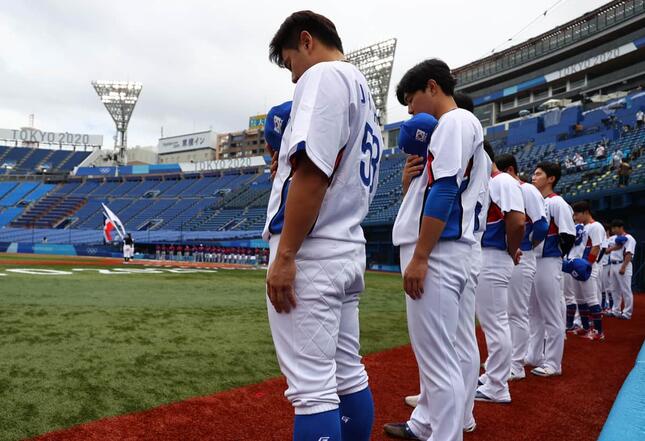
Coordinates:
[519,288]
[546,306]
[466,341]
[435,231]
[128,248]
[584,256]
[573,322]
[500,251]
[328,165]
[622,254]
[603,263]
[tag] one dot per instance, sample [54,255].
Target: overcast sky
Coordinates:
[203,64]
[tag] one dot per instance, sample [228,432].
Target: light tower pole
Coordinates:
[119,98]
[375,62]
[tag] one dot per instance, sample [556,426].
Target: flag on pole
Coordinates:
[112,223]
[108,230]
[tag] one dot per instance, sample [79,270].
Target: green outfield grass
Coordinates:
[81,347]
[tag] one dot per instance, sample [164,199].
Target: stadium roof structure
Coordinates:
[375,62]
[569,35]
[119,98]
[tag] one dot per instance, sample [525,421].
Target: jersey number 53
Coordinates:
[371,149]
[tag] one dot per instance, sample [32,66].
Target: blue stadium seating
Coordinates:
[28,160]
[236,201]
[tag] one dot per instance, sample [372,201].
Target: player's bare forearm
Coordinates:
[593,253]
[415,273]
[626,261]
[514,222]
[306,193]
[431,229]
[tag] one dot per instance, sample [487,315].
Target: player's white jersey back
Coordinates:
[333,121]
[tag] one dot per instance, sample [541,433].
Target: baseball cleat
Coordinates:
[479,396]
[579,331]
[517,376]
[599,336]
[412,400]
[543,371]
[399,430]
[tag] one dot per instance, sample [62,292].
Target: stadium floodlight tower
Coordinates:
[119,98]
[375,62]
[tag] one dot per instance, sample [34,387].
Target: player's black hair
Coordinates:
[503,162]
[288,36]
[581,207]
[417,79]
[551,169]
[464,101]
[489,150]
[617,223]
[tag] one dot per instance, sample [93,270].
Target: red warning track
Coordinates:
[573,406]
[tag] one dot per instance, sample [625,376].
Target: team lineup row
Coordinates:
[474,242]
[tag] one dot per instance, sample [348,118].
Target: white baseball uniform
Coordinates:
[519,287]
[622,283]
[586,291]
[466,342]
[546,342]
[603,282]
[333,121]
[491,295]
[455,150]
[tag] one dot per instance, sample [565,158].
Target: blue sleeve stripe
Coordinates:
[540,229]
[441,198]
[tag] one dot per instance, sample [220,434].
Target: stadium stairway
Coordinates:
[49,211]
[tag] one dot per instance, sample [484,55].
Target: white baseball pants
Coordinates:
[432,324]
[317,343]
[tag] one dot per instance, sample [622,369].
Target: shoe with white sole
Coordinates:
[412,400]
[517,376]
[480,396]
[544,371]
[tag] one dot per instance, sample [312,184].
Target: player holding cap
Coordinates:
[327,173]
[622,254]
[434,228]
[546,306]
[466,341]
[585,254]
[500,252]
[519,287]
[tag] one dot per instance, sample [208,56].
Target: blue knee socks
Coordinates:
[583,308]
[357,415]
[571,314]
[596,316]
[317,426]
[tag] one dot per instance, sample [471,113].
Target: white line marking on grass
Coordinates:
[40,272]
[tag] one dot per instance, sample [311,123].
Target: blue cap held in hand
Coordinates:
[580,269]
[276,122]
[620,240]
[415,133]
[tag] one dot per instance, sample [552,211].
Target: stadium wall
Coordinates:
[626,420]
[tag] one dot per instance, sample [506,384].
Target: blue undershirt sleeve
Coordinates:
[441,198]
[540,228]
